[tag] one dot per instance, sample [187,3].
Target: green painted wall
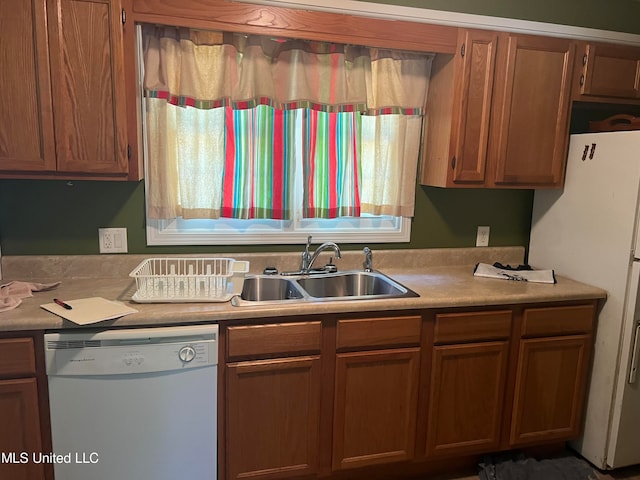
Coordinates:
[40,217]
[616,15]
[51,217]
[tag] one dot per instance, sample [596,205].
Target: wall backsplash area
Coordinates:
[50,217]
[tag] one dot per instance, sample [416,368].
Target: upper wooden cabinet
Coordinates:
[498,112]
[530,118]
[87,75]
[26,122]
[73,48]
[604,70]
[458,112]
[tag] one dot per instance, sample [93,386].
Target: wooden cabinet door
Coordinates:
[20,430]
[530,119]
[87,73]
[466,398]
[375,407]
[549,389]
[26,123]
[610,71]
[472,105]
[272,418]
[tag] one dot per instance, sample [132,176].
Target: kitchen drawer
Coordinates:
[545,322]
[378,332]
[17,357]
[472,326]
[251,341]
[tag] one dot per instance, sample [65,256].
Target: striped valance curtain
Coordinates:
[231,117]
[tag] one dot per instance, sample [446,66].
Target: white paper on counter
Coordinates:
[90,310]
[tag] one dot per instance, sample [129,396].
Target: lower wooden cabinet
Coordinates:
[353,397]
[376,397]
[272,404]
[21,431]
[549,388]
[552,371]
[466,398]
[377,368]
[468,380]
[273,415]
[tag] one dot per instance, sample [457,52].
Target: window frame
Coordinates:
[170,232]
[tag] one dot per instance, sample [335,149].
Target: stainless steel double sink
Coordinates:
[347,285]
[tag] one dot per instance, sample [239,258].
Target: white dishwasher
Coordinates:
[133,403]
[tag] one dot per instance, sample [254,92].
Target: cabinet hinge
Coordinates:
[124,16]
[128,151]
[462,50]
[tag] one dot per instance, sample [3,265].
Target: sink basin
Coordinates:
[352,284]
[349,285]
[268,288]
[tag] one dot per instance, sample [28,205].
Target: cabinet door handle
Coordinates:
[593,151]
[453,163]
[462,50]
[633,372]
[582,80]
[585,153]
[124,16]
[585,59]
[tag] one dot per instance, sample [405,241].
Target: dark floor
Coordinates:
[627,473]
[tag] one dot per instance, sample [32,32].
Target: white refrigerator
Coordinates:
[588,232]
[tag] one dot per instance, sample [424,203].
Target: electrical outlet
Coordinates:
[112,240]
[482,237]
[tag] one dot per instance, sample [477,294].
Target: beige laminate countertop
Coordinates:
[439,286]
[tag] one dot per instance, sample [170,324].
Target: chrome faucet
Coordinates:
[368,262]
[308,258]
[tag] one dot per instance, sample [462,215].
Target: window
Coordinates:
[250,139]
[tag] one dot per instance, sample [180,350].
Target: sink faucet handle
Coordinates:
[306,255]
[368,261]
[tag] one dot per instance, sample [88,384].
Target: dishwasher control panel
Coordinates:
[113,356]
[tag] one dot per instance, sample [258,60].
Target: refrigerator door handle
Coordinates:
[633,371]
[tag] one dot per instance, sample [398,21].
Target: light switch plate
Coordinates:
[113,240]
[482,237]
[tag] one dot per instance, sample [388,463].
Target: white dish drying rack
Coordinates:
[178,280]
